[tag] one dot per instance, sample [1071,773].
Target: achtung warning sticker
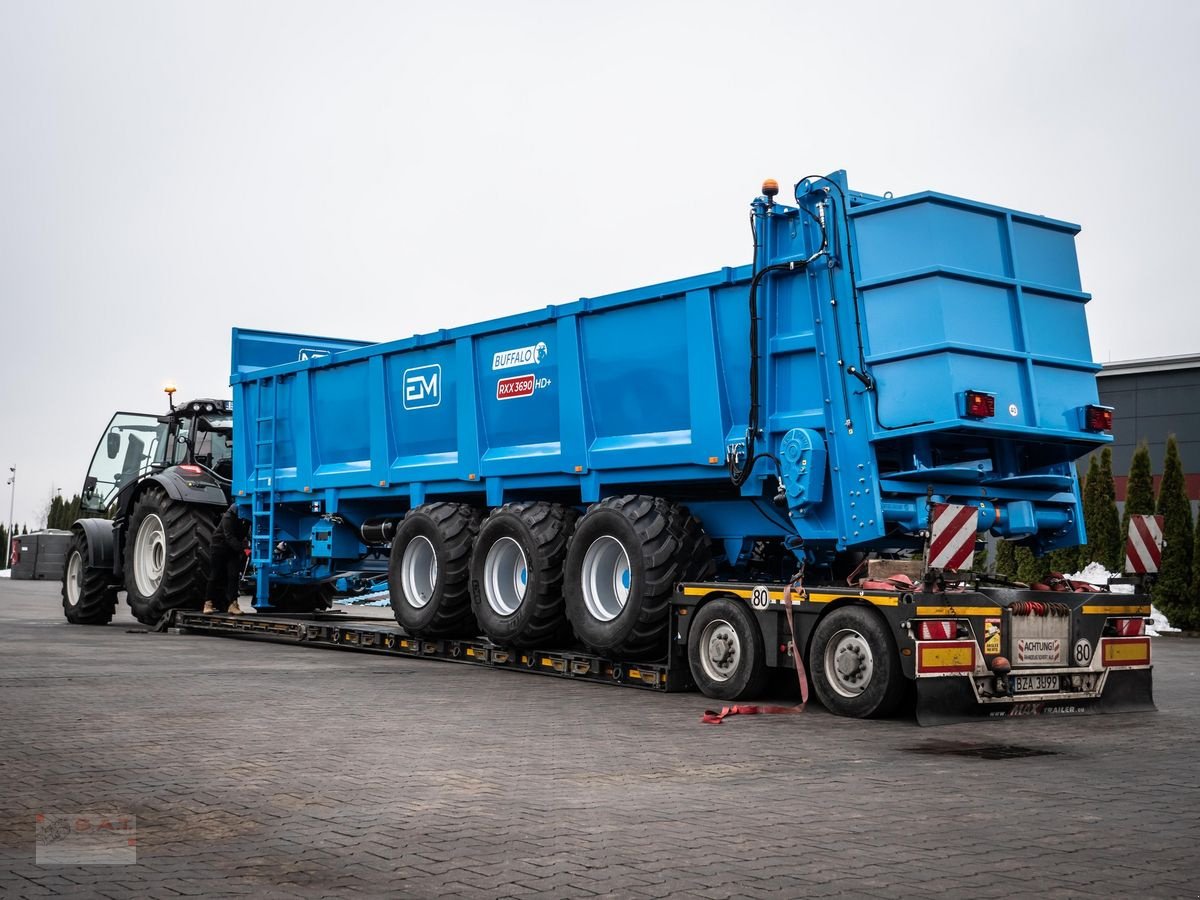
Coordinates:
[991,637]
[1039,650]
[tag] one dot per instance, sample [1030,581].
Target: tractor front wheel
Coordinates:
[89,595]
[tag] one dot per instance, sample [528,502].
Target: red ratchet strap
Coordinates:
[900,582]
[712,717]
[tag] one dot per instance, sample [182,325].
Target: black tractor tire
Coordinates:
[301,598]
[623,562]
[725,651]
[429,572]
[854,665]
[89,595]
[168,545]
[517,592]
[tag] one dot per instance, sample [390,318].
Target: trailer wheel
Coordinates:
[301,598]
[428,573]
[167,550]
[854,664]
[623,562]
[517,573]
[88,594]
[725,651]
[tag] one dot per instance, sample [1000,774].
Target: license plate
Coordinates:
[1035,684]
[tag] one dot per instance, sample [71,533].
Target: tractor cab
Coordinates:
[199,434]
[196,436]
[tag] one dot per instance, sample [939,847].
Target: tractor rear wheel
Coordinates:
[623,562]
[428,571]
[167,550]
[89,595]
[517,573]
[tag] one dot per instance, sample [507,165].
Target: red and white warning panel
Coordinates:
[1143,549]
[952,535]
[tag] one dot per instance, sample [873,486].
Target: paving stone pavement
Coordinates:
[287,771]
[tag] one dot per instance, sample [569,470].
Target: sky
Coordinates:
[368,170]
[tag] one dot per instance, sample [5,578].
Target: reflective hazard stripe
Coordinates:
[952,534]
[1143,547]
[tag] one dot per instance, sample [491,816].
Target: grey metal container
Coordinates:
[42,555]
[51,554]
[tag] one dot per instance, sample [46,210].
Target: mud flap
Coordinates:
[945,701]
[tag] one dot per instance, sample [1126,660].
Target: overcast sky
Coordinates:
[373,170]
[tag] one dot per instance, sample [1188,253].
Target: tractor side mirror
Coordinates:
[89,486]
[113,447]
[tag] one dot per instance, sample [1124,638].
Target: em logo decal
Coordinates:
[423,387]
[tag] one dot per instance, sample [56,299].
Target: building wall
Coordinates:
[1153,399]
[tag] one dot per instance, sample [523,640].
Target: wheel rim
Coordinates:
[720,650]
[606,578]
[506,576]
[419,572]
[848,662]
[149,555]
[74,578]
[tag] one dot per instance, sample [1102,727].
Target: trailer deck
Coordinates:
[342,631]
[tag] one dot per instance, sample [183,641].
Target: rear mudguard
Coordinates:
[943,701]
[179,486]
[194,489]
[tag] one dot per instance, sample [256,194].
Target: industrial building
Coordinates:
[1154,398]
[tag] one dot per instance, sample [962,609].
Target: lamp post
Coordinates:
[12,480]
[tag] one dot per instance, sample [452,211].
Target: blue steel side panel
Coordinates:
[636,383]
[342,429]
[962,296]
[424,441]
[254,350]
[636,362]
[518,396]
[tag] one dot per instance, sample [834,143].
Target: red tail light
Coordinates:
[937,630]
[1098,418]
[191,470]
[981,405]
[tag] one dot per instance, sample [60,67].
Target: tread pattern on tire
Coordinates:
[458,525]
[886,698]
[750,681]
[189,532]
[98,595]
[674,548]
[551,525]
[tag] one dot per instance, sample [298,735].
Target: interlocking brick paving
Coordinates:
[272,770]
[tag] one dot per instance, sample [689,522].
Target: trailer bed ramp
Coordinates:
[338,632]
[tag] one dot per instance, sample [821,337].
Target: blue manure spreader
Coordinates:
[783,465]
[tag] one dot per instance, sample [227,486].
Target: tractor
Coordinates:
[152,497]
